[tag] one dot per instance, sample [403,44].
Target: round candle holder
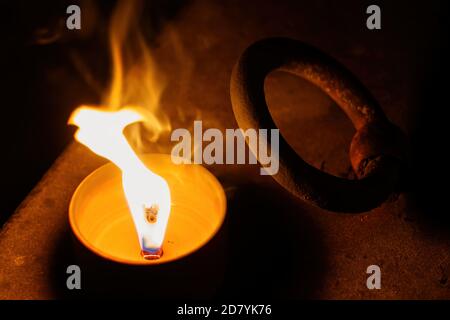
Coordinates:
[107,244]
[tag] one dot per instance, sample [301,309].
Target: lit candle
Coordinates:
[113,215]
[100,218]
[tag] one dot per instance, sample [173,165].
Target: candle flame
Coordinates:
[136,84]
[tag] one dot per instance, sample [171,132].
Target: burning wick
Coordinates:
[147,194]
[152,254]
[151,214]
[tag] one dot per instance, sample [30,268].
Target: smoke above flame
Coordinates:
[136,81]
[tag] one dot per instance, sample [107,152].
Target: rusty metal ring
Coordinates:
[376,150]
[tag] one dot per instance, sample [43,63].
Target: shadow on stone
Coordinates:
[275,250]
[429,178]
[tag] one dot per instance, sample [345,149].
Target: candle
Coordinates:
[100,218]
[139,220]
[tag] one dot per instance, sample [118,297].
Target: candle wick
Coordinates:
[151,254]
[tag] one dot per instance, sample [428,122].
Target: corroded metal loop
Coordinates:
[376,149]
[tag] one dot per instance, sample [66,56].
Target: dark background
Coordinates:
[41,81]
[47,71]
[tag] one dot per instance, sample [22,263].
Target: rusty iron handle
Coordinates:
[376,150]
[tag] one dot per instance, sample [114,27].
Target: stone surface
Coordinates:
[328,256]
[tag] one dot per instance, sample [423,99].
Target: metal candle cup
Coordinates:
[101,222]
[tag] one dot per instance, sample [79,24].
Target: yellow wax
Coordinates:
[100,219]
